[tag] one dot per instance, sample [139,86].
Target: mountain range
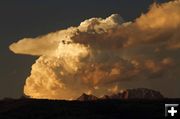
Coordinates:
[139,93]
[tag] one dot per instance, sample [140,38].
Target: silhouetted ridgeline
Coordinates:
[130,103]
[139,93]
[98,109]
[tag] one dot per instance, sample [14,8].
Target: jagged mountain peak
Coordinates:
[87,97]
[139,93]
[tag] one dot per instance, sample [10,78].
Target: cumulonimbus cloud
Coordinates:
[100,53]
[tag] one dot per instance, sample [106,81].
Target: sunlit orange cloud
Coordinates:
[98,55]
